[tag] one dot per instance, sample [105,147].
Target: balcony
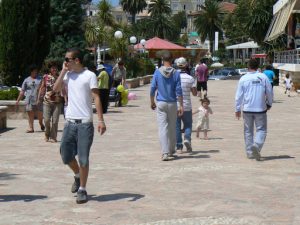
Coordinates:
[287,60]
[287,57]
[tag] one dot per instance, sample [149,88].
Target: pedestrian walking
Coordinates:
[270,74]
[166,83]
[288,84]
[188,86]
[119,74]
[78,131]
[30,89]
[52,102]
[103,85]
[203,117]
[254,96]
[202,77]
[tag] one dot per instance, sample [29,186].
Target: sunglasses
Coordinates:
[68,59]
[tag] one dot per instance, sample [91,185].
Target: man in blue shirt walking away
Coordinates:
[270,74]
[254,96]
[166,82]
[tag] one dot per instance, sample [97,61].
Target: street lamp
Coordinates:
[132,40]
[143,43]
[118,34]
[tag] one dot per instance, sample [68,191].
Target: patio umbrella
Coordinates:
[217,64]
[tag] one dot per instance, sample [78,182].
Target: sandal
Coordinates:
[29,131]
[42,127]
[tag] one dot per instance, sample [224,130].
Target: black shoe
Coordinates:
[75,185]
[42,127]
[81,197]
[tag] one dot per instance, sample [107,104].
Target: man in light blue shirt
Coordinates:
[254,96]
[270,74]
[166,82]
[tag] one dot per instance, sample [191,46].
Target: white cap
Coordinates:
[181,62]
[100,67]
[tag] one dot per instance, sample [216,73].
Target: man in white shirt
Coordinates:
[78,132]
[254,96]
[188,85]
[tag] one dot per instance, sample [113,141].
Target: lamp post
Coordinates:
[143,43]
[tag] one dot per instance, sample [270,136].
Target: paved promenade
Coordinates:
[130,185]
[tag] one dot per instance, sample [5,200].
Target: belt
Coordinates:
[79,120]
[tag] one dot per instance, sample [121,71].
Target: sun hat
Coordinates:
[100,67]
[181,62]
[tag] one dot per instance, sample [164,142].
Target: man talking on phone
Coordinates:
[78,131]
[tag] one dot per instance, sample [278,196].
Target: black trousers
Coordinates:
[104,97]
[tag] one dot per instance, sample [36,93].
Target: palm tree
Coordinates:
[209,21]
[133,7]
[105,17]
[159,7]
[94,35]
[161,26]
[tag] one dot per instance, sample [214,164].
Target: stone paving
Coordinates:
[130,185]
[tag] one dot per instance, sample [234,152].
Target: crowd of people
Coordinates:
[75,88]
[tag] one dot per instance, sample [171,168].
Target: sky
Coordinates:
[113,2]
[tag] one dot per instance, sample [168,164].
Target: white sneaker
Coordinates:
[165,157]
[188,145]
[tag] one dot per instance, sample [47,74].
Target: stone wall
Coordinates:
[14,112]
[3,117]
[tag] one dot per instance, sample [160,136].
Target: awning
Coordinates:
[280,21]
[250,44]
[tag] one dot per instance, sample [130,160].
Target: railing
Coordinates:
[289,57]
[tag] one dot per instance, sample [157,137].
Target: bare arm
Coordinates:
[21,95]
[58,85]
[194,91]
[41,89]
[152,104]
[101,123]
[195,112]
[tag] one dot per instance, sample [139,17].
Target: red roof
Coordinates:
[159,44]
[228,7]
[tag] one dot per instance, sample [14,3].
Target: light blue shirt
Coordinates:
[168,89]
[270,74]
[254,93]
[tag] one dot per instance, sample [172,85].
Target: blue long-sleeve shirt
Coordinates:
[168,88]
[254,93]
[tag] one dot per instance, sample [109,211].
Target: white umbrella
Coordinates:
[217,64]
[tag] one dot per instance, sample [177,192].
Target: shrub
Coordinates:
[11,94]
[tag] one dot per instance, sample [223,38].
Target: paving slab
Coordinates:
[129,184]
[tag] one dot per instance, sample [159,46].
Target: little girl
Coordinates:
[203,119]
[288,84]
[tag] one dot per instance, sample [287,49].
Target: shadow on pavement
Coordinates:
[114,197]
[25,198]
[278,101]
[112,111]
[203,152]
[8,176]
[7,129]
[266,158]
[189,157]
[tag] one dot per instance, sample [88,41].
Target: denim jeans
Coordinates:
[260,122]
[187,120]
[77,139]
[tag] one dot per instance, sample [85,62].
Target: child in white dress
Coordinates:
[203,117]
[288,84]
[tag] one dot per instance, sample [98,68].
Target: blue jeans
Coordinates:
[260,122]
[187,120]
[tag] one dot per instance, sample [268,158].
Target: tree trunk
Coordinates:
[133,19]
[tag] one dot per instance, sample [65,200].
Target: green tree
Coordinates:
[67,27]
[133,7]
[24,37]
[105,17]
[209,21]
[159,7]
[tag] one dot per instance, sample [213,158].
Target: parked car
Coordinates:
[226,73]
[242,71]
[4,87]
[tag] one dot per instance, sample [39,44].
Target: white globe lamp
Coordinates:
[118,34]
[143,42]
[132,40]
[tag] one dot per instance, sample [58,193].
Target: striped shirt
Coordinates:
[187,82]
